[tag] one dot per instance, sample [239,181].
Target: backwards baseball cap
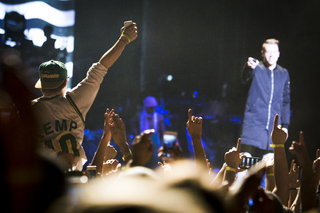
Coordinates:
[51,75]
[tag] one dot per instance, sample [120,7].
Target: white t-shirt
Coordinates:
[61,118]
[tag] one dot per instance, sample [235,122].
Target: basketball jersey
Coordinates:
[61,118]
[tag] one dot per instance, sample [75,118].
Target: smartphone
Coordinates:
[128,23]
[247,162]
[169,139]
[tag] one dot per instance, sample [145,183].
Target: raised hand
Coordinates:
[194,125]
[278,135]
[142,148]
[252,63]
[119,135]
[107,124]
[129,33]
[99,156]
[281,170]
[233,157]
[232,160]
[294,175]
[308,186]
[300,150]
[118,131]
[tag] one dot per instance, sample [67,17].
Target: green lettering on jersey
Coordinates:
[47,127]
[62,127]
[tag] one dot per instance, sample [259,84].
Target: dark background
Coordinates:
[203,45]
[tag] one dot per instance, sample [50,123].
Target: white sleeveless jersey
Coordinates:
[61,118]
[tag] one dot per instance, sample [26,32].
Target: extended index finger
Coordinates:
[318,153]
[239,144]
[301,139]
[189,114]
[275,122]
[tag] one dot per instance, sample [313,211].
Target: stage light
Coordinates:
[169,77]
[38,14]
[195,94]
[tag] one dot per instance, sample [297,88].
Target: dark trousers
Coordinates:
[254,151]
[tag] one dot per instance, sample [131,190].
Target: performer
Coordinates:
[151,119]
[61,114]
[269,94]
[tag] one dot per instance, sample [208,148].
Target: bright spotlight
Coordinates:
[169,78]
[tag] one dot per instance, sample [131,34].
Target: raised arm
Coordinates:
[218,179]
[308,187]
[194,126]
[98,157]
[85,92]
[247,70]
[128,34]
[294,183]
[142,148]
[270,182]
[232,159]
[281,170]
[120,138]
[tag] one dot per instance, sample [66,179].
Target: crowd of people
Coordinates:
[42,154]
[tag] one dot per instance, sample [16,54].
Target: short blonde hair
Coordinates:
[270,41]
